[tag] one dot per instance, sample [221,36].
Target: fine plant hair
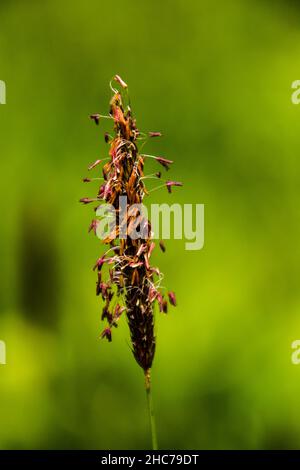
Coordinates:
[126,281]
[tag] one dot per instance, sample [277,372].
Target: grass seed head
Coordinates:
[131,284]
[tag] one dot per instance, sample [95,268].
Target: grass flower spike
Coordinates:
[126,281]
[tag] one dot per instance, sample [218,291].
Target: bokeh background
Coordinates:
[215,78]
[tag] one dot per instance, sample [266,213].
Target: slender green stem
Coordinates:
[151,409]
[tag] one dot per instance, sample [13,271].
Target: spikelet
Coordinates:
[130,284]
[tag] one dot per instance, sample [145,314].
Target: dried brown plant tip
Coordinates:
[125,274]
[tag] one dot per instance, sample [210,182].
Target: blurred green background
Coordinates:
[215,78]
